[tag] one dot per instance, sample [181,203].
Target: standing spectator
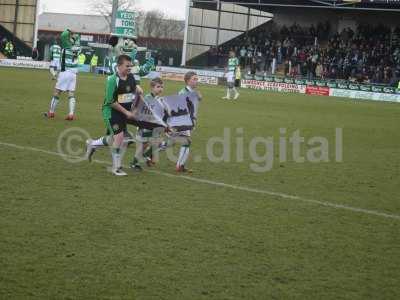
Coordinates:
[93,62]
[293,71]
[268,59]
[253,66]
[3,44]
[259,60]
[213,56]
[287,67]
[319,71]
[243,53]
[332,74]
[395,79]
[35,54]
[220,57]
[210,57]
[398,84]
[9,49]
[81,59]
[279,52]
[309,68]
[314,60]
[250,53]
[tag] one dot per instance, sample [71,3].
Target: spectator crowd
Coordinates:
[370,54]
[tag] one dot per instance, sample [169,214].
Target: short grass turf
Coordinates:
[73,231]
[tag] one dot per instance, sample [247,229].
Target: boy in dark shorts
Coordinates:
[121,90]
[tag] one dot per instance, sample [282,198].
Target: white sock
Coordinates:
[72,104]
[117,155]
[116,158]
[183,156]
[100,142]
[228,93]
[54,103]
[235,91]
[53,72]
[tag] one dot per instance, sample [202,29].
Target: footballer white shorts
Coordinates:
[55,63]
[66,81]
[179,134]
[230,77]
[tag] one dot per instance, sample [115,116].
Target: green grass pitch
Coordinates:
[73,231]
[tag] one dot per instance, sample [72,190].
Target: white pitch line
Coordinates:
[230,186]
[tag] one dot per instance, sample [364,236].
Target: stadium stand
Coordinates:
[20,47]
[307,39]
[371,54]
[18,27]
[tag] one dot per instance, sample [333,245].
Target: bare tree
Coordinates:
[152,23]
[172,29]
[139,22]
[104,7]
[156,24]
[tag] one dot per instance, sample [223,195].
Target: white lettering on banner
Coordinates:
[184,70]
[180,77]
[273,86]
[208,80]
[364,95]
[127,15]
[124,23]
[87,38]
[30,64]
[172,76]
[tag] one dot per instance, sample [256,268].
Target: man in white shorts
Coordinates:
[230,75]
[66,81]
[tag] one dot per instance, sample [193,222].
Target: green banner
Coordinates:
[354,86]
[125,24]
[332,84]
[365,88]
[343,85]
[300,81]
[311,82]
[288,80]
[269,78]
[389,89]
[339,84]
[377,89]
